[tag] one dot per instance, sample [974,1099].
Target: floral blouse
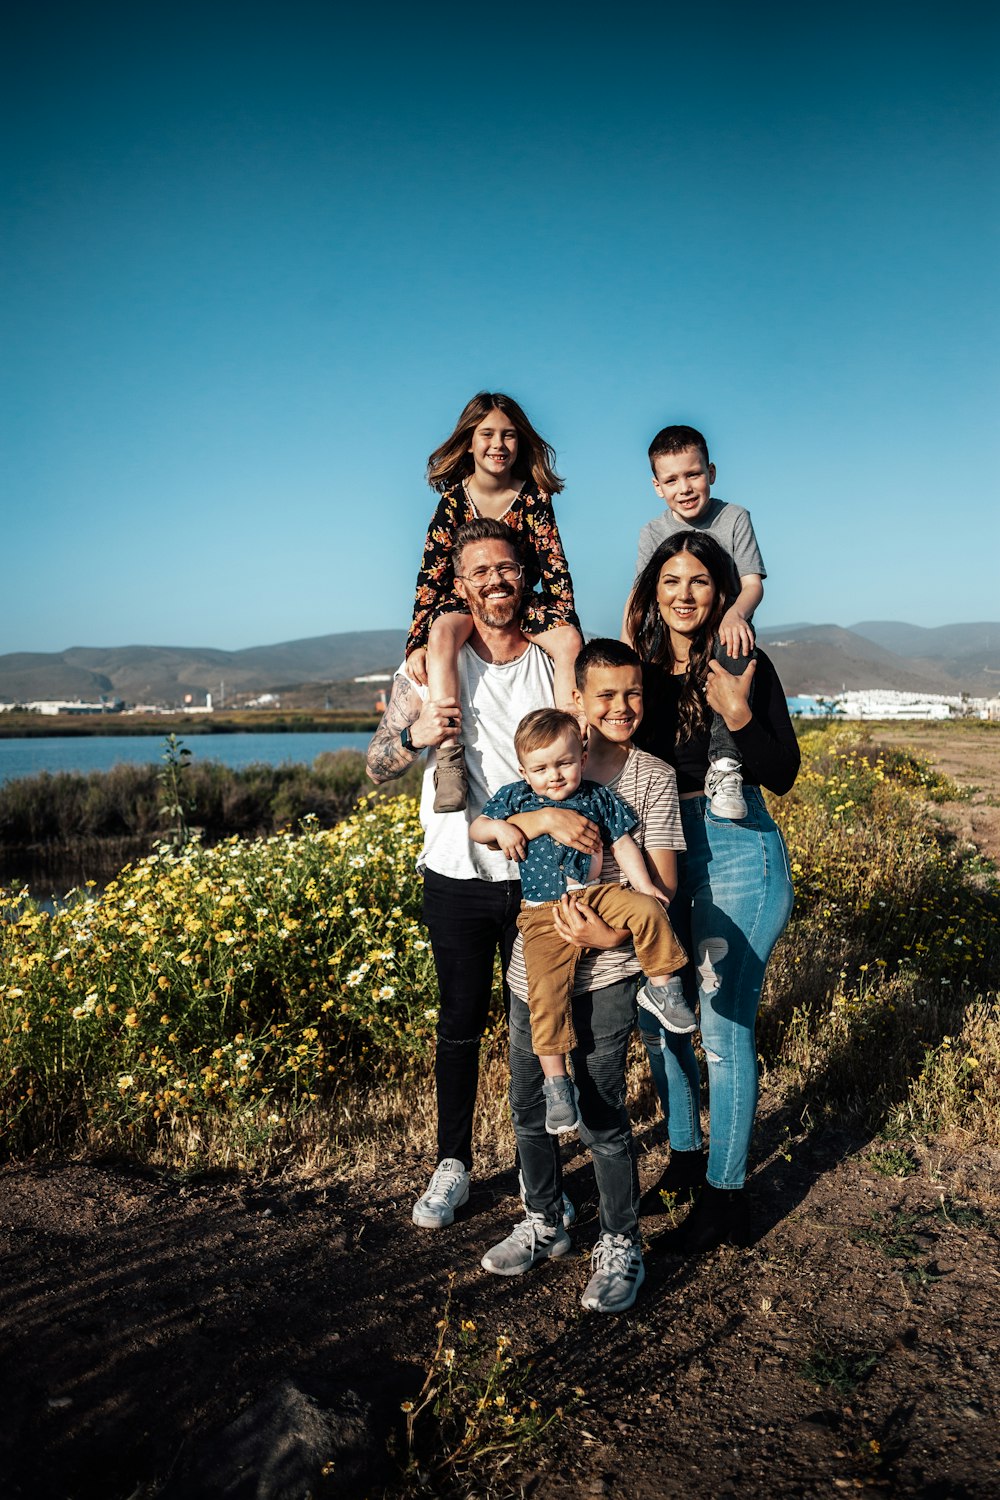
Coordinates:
[531,515]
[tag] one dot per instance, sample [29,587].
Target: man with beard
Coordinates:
[472,893]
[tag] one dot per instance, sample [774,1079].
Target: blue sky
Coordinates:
[257,258]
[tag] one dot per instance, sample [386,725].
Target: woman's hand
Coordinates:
[728,695]
[581,926]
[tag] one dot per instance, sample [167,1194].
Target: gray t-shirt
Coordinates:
[729,525]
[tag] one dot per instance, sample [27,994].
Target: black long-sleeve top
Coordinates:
[767,745]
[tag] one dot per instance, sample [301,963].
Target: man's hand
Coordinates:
[429,724]
[736,633]
[580,925]
[439,719]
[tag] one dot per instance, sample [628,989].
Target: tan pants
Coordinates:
[551,962]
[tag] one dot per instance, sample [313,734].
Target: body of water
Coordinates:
[27,757]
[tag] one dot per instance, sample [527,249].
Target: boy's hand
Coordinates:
[572,829]
[581,926]
[416,665]
[511,840]
[735,633]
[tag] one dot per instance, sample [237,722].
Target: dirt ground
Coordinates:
[852,1348]
[971,757]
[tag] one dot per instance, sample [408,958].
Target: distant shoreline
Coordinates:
[158,726]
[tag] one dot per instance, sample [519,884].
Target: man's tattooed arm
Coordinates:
[430,721]
[387,757]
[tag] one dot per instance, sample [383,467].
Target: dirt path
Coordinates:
[970,755]
[852,1348]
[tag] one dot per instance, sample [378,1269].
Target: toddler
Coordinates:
[550,757]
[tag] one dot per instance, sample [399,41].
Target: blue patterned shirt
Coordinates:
[548,867]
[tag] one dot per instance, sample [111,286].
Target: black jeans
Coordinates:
[468,922]
[603,1021]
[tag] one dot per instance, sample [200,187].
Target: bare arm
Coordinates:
[563,824]
[633,866]
[498,833]
[662,866]
[735,631]
[429,724]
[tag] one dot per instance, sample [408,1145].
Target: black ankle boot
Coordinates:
[684,1177]
[721,1216]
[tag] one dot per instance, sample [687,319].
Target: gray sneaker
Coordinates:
[560,1105]
[667,1003]
[568,1210]
[724,789]
[618,1273]
[447,1190]
[528,1242]
[451,780]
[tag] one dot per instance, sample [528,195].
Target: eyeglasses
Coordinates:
[506,572]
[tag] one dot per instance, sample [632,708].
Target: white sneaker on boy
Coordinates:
[618,1274]
[724,789]
[528,1242]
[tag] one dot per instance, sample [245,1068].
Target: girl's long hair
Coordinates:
[652,638]
[535,459]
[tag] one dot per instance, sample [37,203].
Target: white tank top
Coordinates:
[494,700]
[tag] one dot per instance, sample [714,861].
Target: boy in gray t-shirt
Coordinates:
[683,479]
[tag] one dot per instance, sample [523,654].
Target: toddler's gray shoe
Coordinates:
[618,1273]
[560,1105]
[724,789]
[528,1242]
[667,1003]
[447,1190]
[568,1210]
[451,780]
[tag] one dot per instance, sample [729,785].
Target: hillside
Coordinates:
[164,674]
[825,659]
[810,658]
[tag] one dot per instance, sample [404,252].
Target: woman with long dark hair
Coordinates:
[734,893]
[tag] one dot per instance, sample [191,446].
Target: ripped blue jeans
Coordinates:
[733,901]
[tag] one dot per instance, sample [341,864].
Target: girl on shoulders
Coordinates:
[494,464]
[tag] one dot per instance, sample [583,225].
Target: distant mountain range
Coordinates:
[819,659]
[948,659]
[165,674]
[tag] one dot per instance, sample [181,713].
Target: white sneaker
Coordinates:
[618,1273]
[568,1210]
[447,1190]
[528,1242]
[724,789]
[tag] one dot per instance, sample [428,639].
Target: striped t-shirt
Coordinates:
[649,786]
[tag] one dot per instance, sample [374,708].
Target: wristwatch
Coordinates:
[406,740]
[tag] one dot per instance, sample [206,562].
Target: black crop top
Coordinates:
[767,745]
